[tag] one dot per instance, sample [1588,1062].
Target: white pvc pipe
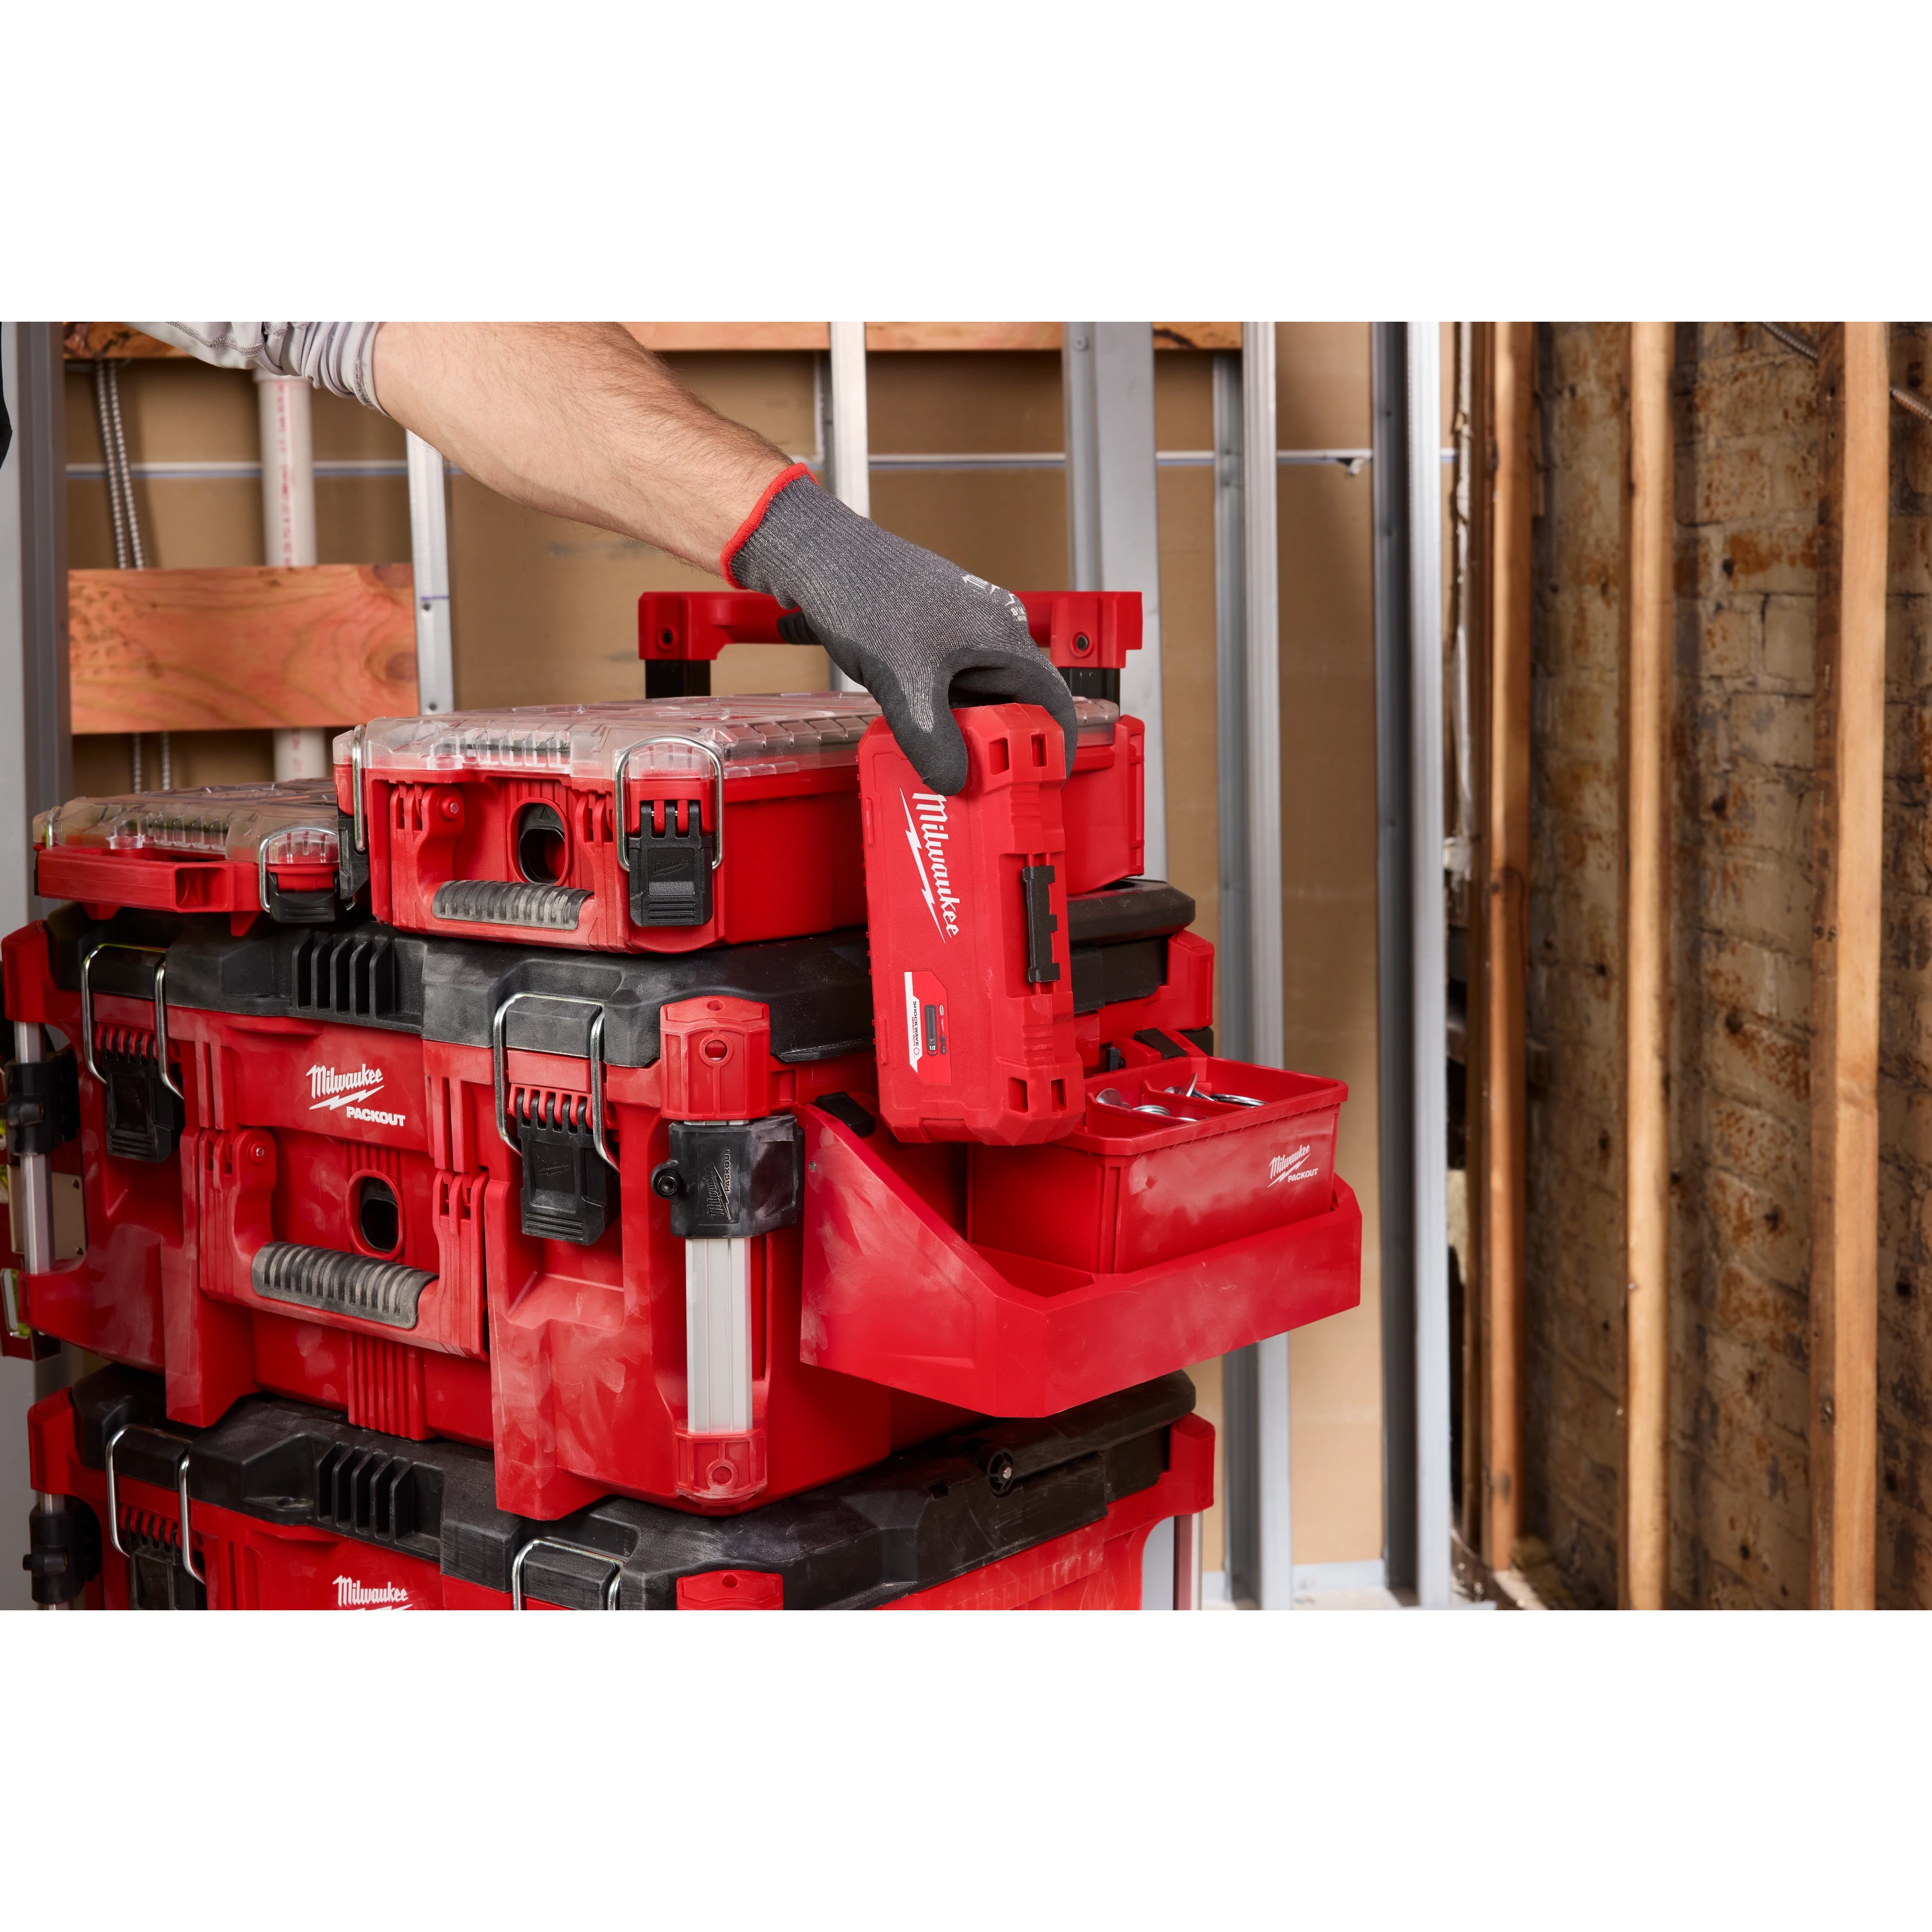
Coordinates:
[850,453]
[288,528]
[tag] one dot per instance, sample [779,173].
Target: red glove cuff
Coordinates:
[742,535]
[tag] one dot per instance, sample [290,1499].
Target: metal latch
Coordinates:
[570,1189]
[142,1120]
[670,871]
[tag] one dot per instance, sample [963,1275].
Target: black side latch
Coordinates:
[312,908]
[42,1103]
[570,1194]
[670,870]
[63,1553]
[1041,923]
[731,1180]
[351,867]
[144,1115]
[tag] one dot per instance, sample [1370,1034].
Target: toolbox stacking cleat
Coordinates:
[658,826]
[250,851]
[284,1507]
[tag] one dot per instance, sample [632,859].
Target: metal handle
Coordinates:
[499,1057]
[622,765]
[181,1490]
[356,780]
[262,854]
[161,952]
[570,1549]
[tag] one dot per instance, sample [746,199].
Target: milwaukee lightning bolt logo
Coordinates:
[1296,1166]
[329,1087]
[928,835]
[714,1193]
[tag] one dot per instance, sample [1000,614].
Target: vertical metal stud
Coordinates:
[848,444]
[429,553]
[1231,708]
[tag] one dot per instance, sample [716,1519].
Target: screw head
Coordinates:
[1000,1473]
[667,1183]
[1083,643]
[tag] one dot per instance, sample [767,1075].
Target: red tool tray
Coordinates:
[903,1286]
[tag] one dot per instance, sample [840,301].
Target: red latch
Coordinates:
[732,1590]
[716,1059]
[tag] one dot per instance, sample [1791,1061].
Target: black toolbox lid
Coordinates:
[919,1519]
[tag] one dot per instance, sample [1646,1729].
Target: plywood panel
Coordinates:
[1328,802]
[169,650]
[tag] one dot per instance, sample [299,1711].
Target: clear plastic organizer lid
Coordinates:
[296,821]
[756,736]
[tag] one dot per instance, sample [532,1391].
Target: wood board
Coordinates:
[257,649]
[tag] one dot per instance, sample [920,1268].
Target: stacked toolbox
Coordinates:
[635,1217]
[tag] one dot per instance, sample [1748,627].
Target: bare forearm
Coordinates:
[578,419]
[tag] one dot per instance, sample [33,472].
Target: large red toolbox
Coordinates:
[284,1507]
[739,817]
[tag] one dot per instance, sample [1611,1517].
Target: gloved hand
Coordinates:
[918,633]
[338,356]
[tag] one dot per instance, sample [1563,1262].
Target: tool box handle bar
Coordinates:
[569,1548]
[181,1490]
[594,1053]
[161,952]
[622,764]
[1079,629]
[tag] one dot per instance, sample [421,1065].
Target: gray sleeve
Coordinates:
[338,356]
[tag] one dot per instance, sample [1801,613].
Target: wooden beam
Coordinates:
[113,342]
[1847,857]
[257,649]
[1509,376]
[1649,527]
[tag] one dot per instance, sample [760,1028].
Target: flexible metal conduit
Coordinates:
[128,553]
[1909,400]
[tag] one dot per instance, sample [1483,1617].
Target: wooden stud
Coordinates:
[1644,1574]
[241,649]
[1506,565]
[1847,855]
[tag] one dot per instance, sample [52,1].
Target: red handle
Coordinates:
[1082,630]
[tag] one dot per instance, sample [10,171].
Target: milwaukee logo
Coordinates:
[714,1193]
[352,1595]
[328,1088]
[331,1089]
[1296,1166]
[928,833]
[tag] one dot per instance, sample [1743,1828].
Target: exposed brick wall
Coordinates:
[1746,483]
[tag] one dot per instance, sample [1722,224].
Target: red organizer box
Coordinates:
[1020,1281]
[247,850]
[972,976]
[740,819]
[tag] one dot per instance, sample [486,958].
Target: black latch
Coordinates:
[144,1115]
[313,908]
[1041,923]
[42,1103]
[670,870]
[730,1180]
[570,1193]
[351,867]
[63,1553]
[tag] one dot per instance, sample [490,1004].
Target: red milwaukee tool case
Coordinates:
[281,1506]
[966,905]
[739,816]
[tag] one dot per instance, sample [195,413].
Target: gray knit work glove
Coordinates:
[918,633]
[338,356]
